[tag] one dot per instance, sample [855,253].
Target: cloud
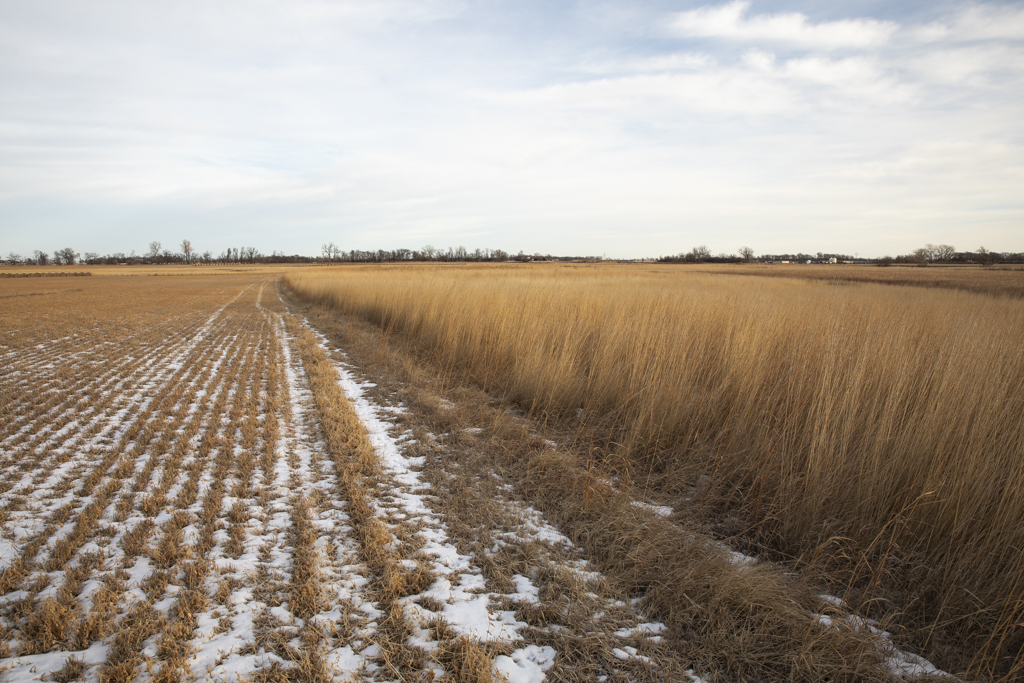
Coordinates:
[977,65]
[977,23]
[661,98]
[676,61]
[758,84]
[862,82]
[732,21]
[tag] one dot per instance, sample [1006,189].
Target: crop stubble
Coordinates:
[142,457]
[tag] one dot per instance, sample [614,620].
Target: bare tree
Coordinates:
[186,250]
[41,258]
[154,249]
[935,252]
[13,259]
[429,251]
[66,256]
[984,256]
[747,254]
[943,252]
[331,251]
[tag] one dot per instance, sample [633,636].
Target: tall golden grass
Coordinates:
[1003,280]
[873,432]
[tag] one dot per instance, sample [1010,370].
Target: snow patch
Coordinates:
[526,665]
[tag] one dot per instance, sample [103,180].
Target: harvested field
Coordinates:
[253,270]
[203,480]
[60,273]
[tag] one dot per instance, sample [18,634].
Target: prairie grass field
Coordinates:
[872,435]
[1001,280]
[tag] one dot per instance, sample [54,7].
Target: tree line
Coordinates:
[157,255]
[926,255]
[330,253]
[333,253]
[702,254]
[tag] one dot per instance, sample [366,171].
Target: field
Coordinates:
[1003,280]
[505,473]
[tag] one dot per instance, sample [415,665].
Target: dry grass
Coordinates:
[141,622]
[306,594]
[72,670]
[467,660]
[872,433]
[1005,280]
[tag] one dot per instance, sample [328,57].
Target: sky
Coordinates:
[628,129]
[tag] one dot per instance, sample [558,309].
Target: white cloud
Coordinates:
[732,21]
[861,82]
[757,85]
[759,60]
[978,65]
[832,71]
[662,98]
[676,61]
[977,23]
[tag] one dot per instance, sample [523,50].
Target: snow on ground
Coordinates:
[660,510]
[898,662]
